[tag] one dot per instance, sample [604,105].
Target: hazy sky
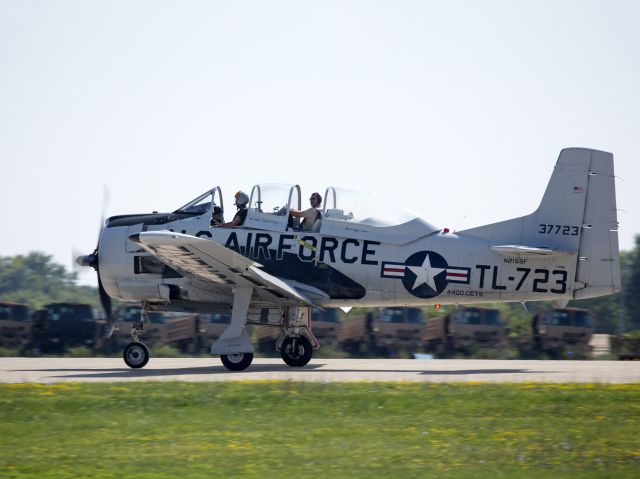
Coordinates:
[455,109]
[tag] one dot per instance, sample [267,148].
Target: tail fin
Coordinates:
[577,214]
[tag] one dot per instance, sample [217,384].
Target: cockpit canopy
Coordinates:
[343,212]
[353,206]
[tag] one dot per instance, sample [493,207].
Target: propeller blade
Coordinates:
[105,204]
[105,300]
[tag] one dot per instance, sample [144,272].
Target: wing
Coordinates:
[219,267]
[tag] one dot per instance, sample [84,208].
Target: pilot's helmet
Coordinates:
[241,198]
[317,197]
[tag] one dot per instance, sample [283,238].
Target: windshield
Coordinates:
[15,312]
[582,319]
[78,312]
[492,317]
[392,315]
[349,205]
[203,203]
[559,318]
[469,316]
[414,316]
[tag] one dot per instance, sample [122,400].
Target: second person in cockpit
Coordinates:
[310,215]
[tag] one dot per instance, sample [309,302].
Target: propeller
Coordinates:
[93,260]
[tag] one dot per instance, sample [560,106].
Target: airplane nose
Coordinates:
[88,260]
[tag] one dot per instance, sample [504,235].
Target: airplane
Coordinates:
[359,252]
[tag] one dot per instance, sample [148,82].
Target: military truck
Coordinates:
[61,325]
[464,331]
[562,332]
[15,325]
[626,347]
[384,332]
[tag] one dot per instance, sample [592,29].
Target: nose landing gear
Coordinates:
[136,354]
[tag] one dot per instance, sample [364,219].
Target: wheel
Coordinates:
[236,362]
[296,352]
[136,355]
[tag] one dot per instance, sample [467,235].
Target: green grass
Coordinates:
[288,429]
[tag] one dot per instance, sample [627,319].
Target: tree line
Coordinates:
[36,279]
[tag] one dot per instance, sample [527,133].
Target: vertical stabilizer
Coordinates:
[577,215]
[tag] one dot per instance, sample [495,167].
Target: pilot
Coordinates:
[241,203]
[217,218]
[311,215]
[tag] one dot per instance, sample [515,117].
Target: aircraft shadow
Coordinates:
[122,373]
[141,373]
[480,371]
[460,372]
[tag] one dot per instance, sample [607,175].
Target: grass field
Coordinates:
[288,429]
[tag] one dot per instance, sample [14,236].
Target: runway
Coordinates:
[55,370]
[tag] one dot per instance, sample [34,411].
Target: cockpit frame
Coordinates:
[198,207]
[278,218]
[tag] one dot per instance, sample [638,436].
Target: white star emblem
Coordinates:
[425,274]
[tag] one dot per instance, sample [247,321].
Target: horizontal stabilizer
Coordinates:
[520,250]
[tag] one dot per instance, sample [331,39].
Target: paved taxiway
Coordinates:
[53,370]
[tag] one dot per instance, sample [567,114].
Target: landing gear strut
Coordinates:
[234,344]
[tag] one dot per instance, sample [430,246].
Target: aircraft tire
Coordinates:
[299,358]
[136,355]
[236,362]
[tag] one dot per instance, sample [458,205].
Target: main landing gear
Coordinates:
[237,362]
[296,351]
[295,345]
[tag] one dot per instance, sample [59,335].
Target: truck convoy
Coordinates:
[556,333]
[389,332]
